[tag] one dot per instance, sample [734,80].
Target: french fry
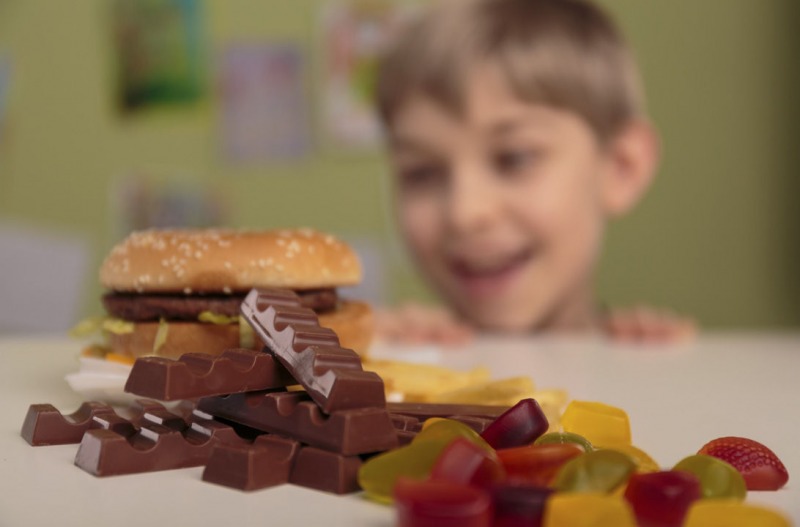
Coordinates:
[422,382]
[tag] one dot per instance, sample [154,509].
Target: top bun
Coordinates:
[227,261]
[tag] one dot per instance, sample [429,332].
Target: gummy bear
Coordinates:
[718,479]
[519,425]
[536,464]
[661,499]
[518,505]
[598,471]
[440,504]
[462,461]
[587,510]
[601,424]
[730,513]
[377,475]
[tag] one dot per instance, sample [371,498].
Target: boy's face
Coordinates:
[502,207]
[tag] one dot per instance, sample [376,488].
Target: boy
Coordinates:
[516,129]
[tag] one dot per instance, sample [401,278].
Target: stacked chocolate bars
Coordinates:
[303,411]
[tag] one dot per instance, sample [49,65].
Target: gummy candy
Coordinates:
[730,513]
[643,461]
[587,510]
[661,499]
[520,425]
[601,424]
[377,475]
[536,464]
[598,471]
[518,505]
[440,504]
[561,438]
[462,461]
[718,479]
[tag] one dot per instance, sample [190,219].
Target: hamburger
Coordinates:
[170,292]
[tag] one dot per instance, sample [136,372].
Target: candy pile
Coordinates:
[515,474]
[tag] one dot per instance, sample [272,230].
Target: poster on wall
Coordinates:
[352,35]
[5,89]
[158,45]
[264,114]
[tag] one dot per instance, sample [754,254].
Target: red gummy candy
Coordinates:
[759,466]
[519,425]
[462,461]
[536,464]
[518,505]
[662,499]
[434,503]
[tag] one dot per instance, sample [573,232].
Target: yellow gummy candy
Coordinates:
[732,513]
[603,425]
[644,462]
[587,510]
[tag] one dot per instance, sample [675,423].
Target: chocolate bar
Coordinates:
[273,460]
[408,423]
[294,414]
[333,376]
[45,425]
[265,463]
[426,410]
[160,443]
[201,375]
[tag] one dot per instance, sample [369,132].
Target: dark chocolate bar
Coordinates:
[265,463]
[333,376]
[158,444]
[45,425]
[294,414]
[201,375]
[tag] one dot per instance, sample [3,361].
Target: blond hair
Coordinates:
[563,53]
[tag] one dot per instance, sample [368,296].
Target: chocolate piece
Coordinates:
[151,448]
[332,375]
[426,410]
[200,375]
[45,425]
[265,463]
[294,414]
[326,471]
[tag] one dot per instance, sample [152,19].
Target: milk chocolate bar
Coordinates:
[426,410]
[201,375]
[264,463]
[333,376]
[157,445]
[408,423]
[273,460]
[45,425]
[294,414]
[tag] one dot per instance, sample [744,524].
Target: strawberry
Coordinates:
[760,467]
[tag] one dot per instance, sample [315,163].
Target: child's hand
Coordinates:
[417,324]
[645,324]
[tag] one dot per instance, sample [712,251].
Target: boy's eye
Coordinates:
[421,176]
[513,161]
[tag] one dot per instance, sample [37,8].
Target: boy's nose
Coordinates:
[472,202]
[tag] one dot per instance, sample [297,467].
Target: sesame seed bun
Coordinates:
[225,261]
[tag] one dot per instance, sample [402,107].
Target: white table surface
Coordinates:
[678,398]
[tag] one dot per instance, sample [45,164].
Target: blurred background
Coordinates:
[124,114]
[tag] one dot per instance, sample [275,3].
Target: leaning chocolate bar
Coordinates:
[294,414]
[332,375]
[201,375]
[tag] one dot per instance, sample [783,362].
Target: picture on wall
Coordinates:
[353,34]
[264,108]
[158,46]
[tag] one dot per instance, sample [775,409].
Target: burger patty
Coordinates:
[138,307]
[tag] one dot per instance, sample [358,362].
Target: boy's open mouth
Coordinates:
[488,275]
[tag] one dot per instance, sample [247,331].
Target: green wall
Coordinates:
[716,237]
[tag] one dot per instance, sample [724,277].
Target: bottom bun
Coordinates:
[352,322]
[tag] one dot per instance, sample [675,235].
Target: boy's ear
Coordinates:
[633,157]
